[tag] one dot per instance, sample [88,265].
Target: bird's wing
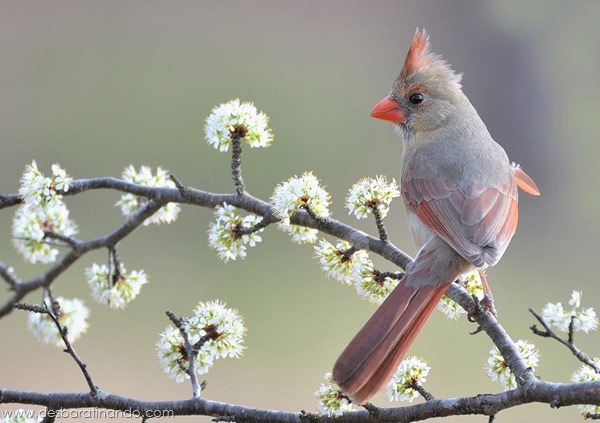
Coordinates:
[478,222]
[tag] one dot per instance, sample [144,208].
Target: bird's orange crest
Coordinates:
[419,56]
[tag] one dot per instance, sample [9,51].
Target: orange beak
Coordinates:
[387,109]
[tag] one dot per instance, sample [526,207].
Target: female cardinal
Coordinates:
[460,193]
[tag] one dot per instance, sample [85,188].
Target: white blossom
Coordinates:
[170,351]
[300,234]
[296,194]
[330,401]
[223,234]
[60,179]
[116,294]
[586,374]
[335,265]
[237,119]
[370,192]
[129,203]
[39,190]
[575,300]
[370,284]
[73,316]
[224,327]
[498,370]
[222,330]
[413,370]
[584,319]
[31,224]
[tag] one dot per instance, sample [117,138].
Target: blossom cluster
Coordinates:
[219,331]
[369,193]
[336,264]
[354,269]
[129,203]
[226,234]
[412,371]
[498,370]
[584,319]
[372,285]
[39,190]
[33,227]
[330,401]
[586,374]
[43,216]
[114,291]
[235,119]
[73,316]
[223,327]
[298,193]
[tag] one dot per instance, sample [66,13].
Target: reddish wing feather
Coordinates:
[477,223]
[525,182]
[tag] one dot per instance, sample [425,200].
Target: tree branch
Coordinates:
[78,248]
[555,394]
[161,196]
[529,388]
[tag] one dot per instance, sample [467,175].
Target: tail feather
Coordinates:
[381,376]
[373,355]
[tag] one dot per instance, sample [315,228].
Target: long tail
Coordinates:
[370,360]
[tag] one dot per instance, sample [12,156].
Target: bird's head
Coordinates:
[425,94]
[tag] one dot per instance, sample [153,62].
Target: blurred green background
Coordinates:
[99,85]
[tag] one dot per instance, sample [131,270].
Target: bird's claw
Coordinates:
[487,302]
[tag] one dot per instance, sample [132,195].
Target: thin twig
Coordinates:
[236,164]
[392,275]
[240,231]
[379,222]
[190,352]
[7,275]
[115,265]
[71,242]
[10,200]
[348,253]
[571,329]
[54,314]
[183,190]
[416,385]
[549,333]
[311,213]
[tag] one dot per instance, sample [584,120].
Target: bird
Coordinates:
[460,192]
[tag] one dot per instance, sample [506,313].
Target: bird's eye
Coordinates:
[416,98]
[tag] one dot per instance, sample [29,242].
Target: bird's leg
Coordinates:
[488,299]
